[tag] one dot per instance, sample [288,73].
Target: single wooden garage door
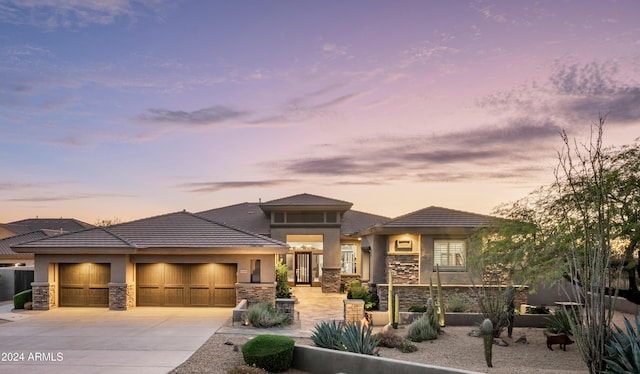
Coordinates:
[186,284]
[84,284]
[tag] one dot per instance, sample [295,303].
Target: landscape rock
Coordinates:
[522,338]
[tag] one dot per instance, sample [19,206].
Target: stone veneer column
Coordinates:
[122,296]
[353,310]
[331,280]
[256,292]
[43,295]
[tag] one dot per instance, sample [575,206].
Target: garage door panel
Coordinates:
[99,273]
[174,273]
[150,274]
[199,296]
[186,284]
[225,297]
[149,296]
[98,296]
[173,296]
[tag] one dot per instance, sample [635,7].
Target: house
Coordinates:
[219,256]
[176,259]
[22,231]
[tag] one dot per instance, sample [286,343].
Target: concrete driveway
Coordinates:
[96,340]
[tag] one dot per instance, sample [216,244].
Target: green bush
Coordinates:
[426,327]
[418,309]
[273,353]
[282,288]
[357,291]
[458,303]
[20,298]
[406,346]
[328,335]
[265,315]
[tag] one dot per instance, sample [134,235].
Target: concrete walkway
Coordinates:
[141,340]
[96,340]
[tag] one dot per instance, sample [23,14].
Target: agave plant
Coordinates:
[623,349]
[328,335]
[357,338]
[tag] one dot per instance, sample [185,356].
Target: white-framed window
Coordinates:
[449,254]
[349,258]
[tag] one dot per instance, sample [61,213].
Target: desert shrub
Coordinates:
[20,298]
[282,288]
[406,346]
[246,369]
[387,338]
[328,335]
[357,291]
[623,349]
[265,315]
[458,302]
[418,308]
[559,323]
[357,338]
[352,337]
[273,353]
[426,327]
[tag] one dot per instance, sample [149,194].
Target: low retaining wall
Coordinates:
[328,361]
[461,319]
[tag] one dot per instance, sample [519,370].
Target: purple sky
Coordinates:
[127,109]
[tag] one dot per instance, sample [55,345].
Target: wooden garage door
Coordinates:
[186,284]
[85,284]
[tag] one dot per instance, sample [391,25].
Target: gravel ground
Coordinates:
[454,348]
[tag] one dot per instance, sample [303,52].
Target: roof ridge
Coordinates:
[119,237]
[25,234]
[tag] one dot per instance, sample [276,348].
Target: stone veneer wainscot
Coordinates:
[256,292]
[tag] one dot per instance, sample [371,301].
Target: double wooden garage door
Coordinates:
[186,284]
[85,284]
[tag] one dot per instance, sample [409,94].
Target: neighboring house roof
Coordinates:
[6,243]
[305,201]
[173,230]
[59,224]
[247,216]
[354,221]
[438,217]
[16,229]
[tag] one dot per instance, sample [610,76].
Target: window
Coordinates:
[449,253]
[349,258]
[304,242]
[255,271]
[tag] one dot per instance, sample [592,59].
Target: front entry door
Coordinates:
[303,268]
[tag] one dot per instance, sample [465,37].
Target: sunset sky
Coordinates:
[127,109]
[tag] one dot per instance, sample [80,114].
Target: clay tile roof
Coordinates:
[247,216]
[60,224]
[439,217]
[173,230]
[6,243]
[354,221]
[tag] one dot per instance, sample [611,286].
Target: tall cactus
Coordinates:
[440,299]
[392,305]
[510,295]
[486,329]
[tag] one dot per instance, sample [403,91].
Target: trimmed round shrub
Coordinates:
[20,298]
[273,353]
